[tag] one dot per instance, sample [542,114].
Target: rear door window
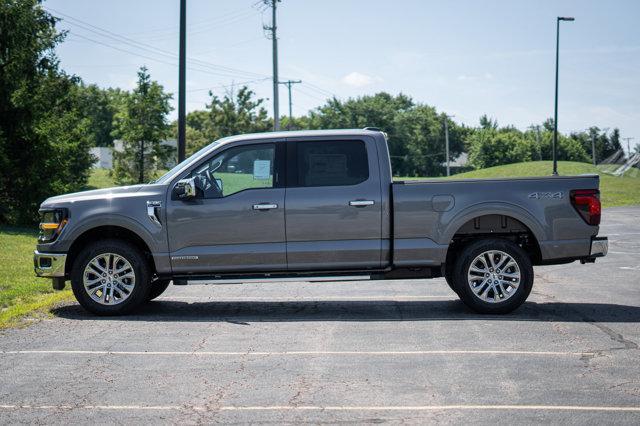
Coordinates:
[332,163]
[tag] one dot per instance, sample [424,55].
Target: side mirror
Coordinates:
[185,189]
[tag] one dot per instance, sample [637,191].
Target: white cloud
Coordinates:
[356,79]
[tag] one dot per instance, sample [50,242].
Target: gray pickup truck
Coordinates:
[312,206]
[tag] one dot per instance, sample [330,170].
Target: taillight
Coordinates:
[587,203]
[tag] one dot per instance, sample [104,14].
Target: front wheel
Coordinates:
[110,277]
[493,276]
[157,288]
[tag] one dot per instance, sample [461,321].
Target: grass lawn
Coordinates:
[614,191]
[21,292]
[100,178]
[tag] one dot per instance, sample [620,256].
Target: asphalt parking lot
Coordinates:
[394,351]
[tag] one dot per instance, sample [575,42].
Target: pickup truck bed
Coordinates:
[427,215]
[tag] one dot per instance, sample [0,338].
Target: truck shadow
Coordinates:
[245,312]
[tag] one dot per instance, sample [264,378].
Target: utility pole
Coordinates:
[181,81]
[446,140]
[274,40]
[628,146]
[555,116]
[593,147]
[538,142]
[288,83]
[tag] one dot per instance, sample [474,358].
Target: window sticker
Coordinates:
[261,169]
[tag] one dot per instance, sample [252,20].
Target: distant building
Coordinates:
[104,155]
[459,164]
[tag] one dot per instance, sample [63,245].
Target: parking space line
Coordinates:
[458,407]
[295,353]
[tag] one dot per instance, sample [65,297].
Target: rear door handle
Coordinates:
[361,203]
[265,206]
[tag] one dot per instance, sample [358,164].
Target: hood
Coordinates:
[96,194]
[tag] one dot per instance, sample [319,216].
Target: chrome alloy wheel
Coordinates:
[109,279]
[494,276]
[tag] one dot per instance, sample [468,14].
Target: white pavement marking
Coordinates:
[296,353]
[325,408]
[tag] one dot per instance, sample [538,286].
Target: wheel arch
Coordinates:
[495,224]
[105,232]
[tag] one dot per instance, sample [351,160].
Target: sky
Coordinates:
[466,58]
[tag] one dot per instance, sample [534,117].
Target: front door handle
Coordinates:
[265,206]
[361,203]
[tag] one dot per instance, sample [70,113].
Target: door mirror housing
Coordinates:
[185,189]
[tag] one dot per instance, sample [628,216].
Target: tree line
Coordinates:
[50,119]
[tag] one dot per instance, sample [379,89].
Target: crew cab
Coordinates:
[314,205]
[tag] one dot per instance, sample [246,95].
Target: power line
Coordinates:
[151,58]
[149,48]
[173,29]
[225,86]
[320,90]
[311,95]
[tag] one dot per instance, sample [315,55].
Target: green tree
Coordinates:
[421,132]
[100,110]
[568,149]
[606,145]
[142,125]
[489,147]
[487,123]
[235,113]
[379,110]
[43,145]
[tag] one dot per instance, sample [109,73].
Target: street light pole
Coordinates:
[593,147]
[181,81]
[446,141]
[555,115]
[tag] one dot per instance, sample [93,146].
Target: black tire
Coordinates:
[131,254]
[511,300]
[448,276]
[157,288]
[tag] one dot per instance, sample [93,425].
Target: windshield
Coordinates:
[186,163]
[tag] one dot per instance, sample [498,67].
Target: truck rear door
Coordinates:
[333,204]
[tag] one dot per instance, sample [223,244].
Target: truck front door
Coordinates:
[236,223]
[333,198]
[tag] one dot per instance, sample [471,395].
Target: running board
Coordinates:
[239,280]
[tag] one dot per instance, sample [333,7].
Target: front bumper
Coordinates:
[599,247]
[51,265]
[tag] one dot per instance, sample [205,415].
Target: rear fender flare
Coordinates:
[484,209]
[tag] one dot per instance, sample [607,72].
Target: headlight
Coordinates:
[51,224]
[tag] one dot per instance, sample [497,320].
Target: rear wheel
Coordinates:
[110,277]
[493,276]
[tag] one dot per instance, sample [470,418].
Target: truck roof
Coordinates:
[302,133]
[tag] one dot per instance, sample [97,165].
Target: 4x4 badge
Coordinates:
[541,195]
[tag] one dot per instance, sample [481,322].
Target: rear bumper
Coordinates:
[599,247]
[585,250]
[51,265]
